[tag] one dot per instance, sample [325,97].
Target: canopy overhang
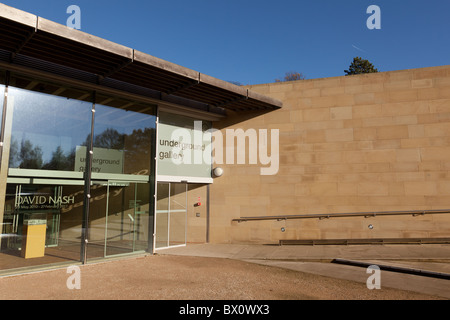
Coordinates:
[29,42]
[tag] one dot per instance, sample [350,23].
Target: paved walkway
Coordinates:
[400,264]
[200,272]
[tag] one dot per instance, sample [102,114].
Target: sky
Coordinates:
[258,41]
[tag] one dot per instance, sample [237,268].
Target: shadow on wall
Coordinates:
[235,118]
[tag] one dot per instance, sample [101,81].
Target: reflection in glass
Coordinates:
[51,133]
[58,208]
[162,216]
[122,141]
[2,98]
[119,220]
[46,130]
[127,218]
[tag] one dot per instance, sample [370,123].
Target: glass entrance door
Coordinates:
[171,214]
[41,222]
[118,219]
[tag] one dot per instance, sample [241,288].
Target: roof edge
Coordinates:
[53,28]
[17,15]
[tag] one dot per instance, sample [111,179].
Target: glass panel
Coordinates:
[2,99]
[127,225]
[171,214]
[49,138]
[177,227]
[142,210]
[118,219]
[46,130]
[122,141]
[162,216]
[42,222]
[97,220]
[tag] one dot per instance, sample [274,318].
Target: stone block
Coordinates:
[316,114]
[377,122]
[405,108]
[281,87]
[336,135]
[327,82]
[403,95]
[439,106]
[377,156]
[367,111]
[313,92]
[365,134]
[324,102]
[373,188]
[332,91]
[296,116]
[392,132]
[341,113]
[420,188]
[407,155]
[314,136]
[347,189]
[427,73]
[324,188]
[426,94]
[397,85]
[435,153]
[422,83]
[416,131]
[436,129]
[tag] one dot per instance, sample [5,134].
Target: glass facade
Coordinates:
[52,205]
[2,95]
[171,214]
[124,138]
[48,201]
[119,218]
[46,130]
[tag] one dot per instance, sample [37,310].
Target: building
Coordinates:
[86,160]
[361,157]
[106,151]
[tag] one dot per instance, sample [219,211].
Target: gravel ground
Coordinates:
[162,277]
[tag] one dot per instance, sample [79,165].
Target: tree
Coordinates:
[109,139]
[60,161]
[31,156]
[359,66]
[291,76]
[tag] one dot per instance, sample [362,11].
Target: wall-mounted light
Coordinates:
[198,203]
[218,172]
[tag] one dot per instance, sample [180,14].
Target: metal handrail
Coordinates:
[343,215]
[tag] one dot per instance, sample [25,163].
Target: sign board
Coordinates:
[36,201]
[103,161]
[184,148]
